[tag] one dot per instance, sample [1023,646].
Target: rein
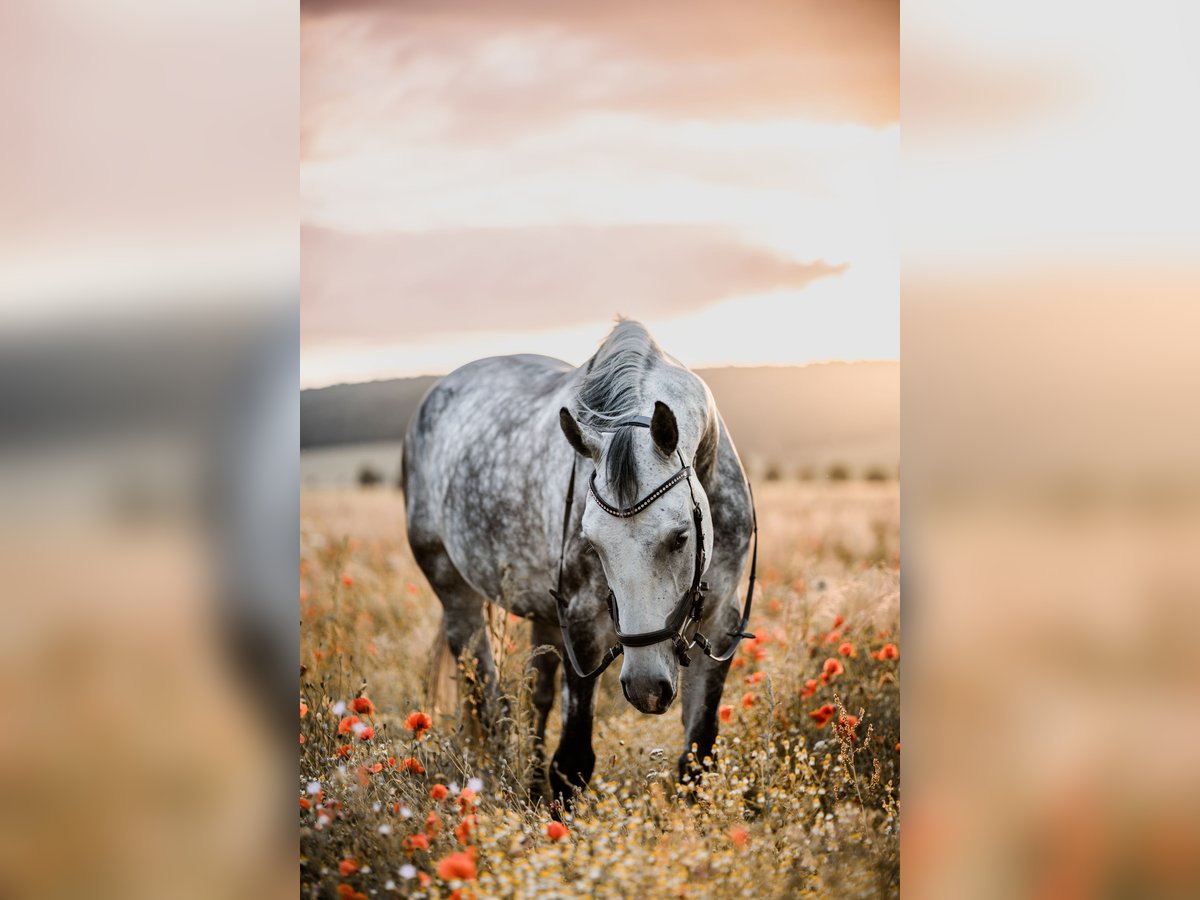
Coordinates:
[688,612]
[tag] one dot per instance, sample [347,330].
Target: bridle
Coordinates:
[690,609]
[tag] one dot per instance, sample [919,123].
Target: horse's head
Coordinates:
[649,556]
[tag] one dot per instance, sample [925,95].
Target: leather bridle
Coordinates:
[690,609]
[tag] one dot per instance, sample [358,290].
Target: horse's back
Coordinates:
[473,459]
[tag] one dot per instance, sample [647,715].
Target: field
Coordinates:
[804,796]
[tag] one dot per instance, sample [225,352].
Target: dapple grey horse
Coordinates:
[487,473]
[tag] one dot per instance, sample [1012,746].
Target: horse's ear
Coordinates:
[664,429]
[585,439]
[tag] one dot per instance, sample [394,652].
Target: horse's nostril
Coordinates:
[662,688]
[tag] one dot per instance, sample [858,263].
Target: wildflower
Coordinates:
[897,746]
[756,677]
[343,750]
[366,734]
[837,623]
[412,588]
[339,707]
[439,791]
[747,700]
[847,649]
[759,654]
[416,841]
[475,785]
[466,799]
[303,709]
[739,836]
[418,723]
[463,830]
[363,706]
[385,828]
[556,831]
[304,804]
[347,867]
[822,714]
[833,637]
[376,769]
[347,579]
[846,726]
[459,866]
[347,724]
[424,879]
[314,787]
[345,890]
[412,765]
[302,737]
[832,668]
[433,824]
[725,712]
[408,871]
[810,688]
[738,663]
[887,651]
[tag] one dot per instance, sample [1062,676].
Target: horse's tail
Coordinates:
[442,696]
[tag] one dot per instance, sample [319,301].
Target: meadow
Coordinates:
[402,794]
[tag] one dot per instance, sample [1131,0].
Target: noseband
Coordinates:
[690,610]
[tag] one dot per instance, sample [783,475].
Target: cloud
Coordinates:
[480,72]
[390,286]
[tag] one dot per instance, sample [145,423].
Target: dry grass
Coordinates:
[790,809]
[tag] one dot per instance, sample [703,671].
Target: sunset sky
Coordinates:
[482,178]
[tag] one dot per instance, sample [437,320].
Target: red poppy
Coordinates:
[725,712]
[466,799]
[832,668]
[810,688]
[738,663]
[418,723]
[347,579]
[847,649]
[463,831]
[366,734]
[433,824]
[413,765]
[347,867]
[304,804]
[377,768]
[457,866]
[416,841]
[887,651]
[303,709]
[439,791]
[345,890]
[837,623]
[897,746]
[833,637]
[822,714]
[347,724]
[391,762]
[755,678]
[302,738]
[556,831]
[739,836]
[747,700]
[343,750]
[363,705]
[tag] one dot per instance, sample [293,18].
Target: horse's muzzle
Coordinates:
[649,695]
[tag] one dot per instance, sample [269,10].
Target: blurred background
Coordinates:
[152,179]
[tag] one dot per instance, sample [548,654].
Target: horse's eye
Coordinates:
[680,538]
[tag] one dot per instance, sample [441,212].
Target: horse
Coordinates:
[496,512]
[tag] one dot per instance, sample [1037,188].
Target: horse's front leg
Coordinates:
[703,682]
[574,760]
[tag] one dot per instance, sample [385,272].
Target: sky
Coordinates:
[504,177]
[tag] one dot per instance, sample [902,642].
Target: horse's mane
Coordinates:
[611,390]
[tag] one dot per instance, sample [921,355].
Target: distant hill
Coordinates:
[788,418]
